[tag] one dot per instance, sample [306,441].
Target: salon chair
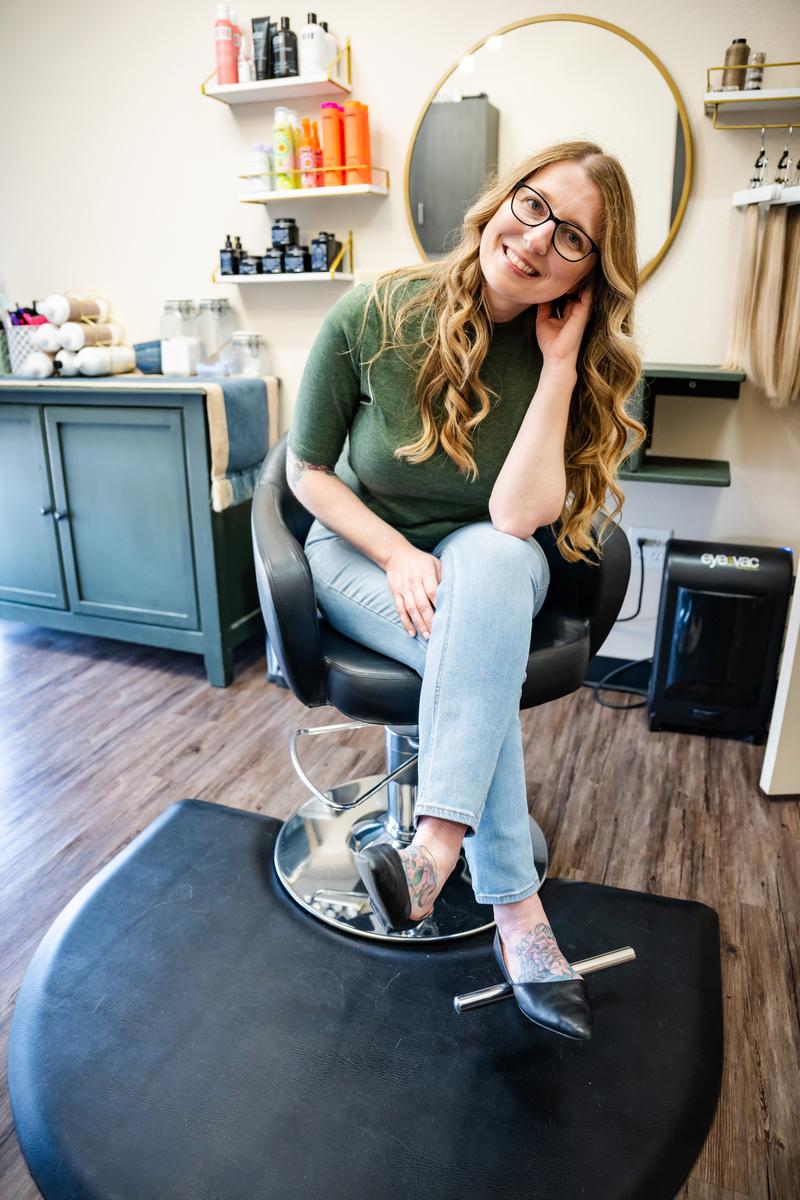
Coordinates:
[315,847]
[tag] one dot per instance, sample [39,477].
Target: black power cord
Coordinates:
[634,662]
[640,542]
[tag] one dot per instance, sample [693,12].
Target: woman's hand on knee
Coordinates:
[413,576]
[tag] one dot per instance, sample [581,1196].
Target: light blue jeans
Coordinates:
[471,766]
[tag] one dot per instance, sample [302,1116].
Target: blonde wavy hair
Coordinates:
[455,329]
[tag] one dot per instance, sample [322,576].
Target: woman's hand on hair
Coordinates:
[560,338]
[413,577]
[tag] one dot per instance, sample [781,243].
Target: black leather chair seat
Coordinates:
[321,666]
[368,686]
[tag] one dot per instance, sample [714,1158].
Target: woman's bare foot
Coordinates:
[429,861]
[530,949]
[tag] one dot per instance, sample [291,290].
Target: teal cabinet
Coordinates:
[119,483]
[30,563]
[106,525]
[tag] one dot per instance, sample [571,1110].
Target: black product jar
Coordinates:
[285,232]
[272,261]
[297,259]
[324,249]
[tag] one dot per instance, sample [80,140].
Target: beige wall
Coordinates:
[118,174]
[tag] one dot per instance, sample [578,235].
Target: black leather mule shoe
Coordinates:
[561,1005]
[381,870]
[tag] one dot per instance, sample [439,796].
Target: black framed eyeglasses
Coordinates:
[569,241]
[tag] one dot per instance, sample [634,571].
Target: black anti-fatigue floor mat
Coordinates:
[186,1032]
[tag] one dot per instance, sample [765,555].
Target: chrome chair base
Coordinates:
[314,860]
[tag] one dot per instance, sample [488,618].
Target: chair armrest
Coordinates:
[286,592]
[592,591]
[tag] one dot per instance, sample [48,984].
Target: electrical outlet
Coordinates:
[654,548]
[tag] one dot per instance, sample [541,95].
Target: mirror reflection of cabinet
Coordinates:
[456,147]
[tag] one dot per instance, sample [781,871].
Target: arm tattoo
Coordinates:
[296,466]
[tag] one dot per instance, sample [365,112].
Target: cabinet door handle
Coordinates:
[59,516]
[46,512]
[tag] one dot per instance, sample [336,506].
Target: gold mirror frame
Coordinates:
[649,267]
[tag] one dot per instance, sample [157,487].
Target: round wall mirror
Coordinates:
[543,80]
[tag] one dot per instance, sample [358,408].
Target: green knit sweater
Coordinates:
[352,419]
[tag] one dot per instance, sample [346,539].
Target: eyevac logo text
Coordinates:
[740,563]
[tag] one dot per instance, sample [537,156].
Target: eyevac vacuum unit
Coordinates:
[721,621]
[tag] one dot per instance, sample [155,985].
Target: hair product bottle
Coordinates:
[332,49]
[284,51]
[306,157]
[356,143]
[272,29]
[365,143]
[225,47]
[233,17]
[262,45]
[737,55]
[332,142]
[228,259]
[297,137]
[244,66]
[283,150]
[317,148]
[312,48]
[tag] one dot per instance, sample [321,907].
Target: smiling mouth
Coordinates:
[519,263]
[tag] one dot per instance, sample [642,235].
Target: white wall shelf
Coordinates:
[276,89]
[288,277]
[331,275]
[758,102]
[294,88]
[320,193]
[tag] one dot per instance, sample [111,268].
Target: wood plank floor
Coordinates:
[98,737]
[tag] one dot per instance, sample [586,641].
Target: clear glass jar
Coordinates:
[754,75]
[180,345]
[215,324]
[251,357]
[178,319]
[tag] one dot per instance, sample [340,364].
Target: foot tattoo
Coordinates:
[540,959]
[423,882]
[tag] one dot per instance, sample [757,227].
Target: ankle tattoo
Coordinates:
[423,882]
[540,958]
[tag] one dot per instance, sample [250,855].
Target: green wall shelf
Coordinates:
[676,379]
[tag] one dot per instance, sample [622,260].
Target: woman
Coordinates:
[482,397]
